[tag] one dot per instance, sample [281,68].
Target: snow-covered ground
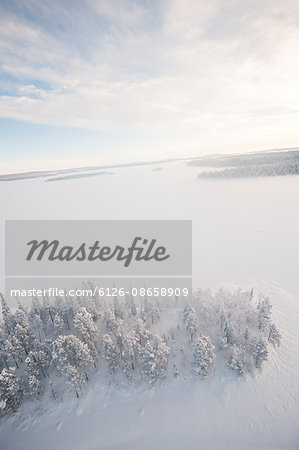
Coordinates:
[245,233]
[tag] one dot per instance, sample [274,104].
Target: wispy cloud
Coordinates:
[209,69]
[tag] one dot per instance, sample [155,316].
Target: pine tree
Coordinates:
[150,311]
[154,360]
[74,377]
[260,352]
[48,310]
[23,331]
[13,350]
[264,308]
[23,338]
[133,308]
[7,316]
[141,331]
[130,353]
[119,334]
[33,373]
[43,356]
[190,320]
[35,307]
[117,308]
[73,360]
[58,325]
[110,320]
[66,311]
[236,360]
[3,349]
[73,351]
[111,352]
[87,330]
[274,336]
[202,356]
[228,333]
[9,390]
[38,325]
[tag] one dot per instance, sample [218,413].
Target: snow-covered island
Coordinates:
[62,342]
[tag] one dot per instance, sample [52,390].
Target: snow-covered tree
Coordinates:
[150,311]
[154,360]
[119,334]
[7,316]
[130,353]
[142,332]
[260,352]
[3,349]
[75,351]
[238,360]
[228,333]
[23,331]
[66,312]
[74,377]
[111,352]
[23,338]
[58,325]
[110,320]
[48,310]
[22,313]
[38,325]
[264,308]
[73,360]
[33,373]
[202,356]
[13,349]
[118,312]
[190,320]
[9,390]
[274,336]
[43,357]
[87,330]
[133,308]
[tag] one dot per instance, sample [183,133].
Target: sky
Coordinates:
[105,81]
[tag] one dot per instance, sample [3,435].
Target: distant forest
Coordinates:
[250,165]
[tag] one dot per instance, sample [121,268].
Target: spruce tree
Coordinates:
[260,352]
[33,373]
[274,336]
[202,356]
[9,390]
[111,352]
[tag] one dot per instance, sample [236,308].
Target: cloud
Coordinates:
[177,66]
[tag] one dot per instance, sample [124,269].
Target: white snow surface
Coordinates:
[245,233]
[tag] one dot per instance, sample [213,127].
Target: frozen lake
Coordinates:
[244,230]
